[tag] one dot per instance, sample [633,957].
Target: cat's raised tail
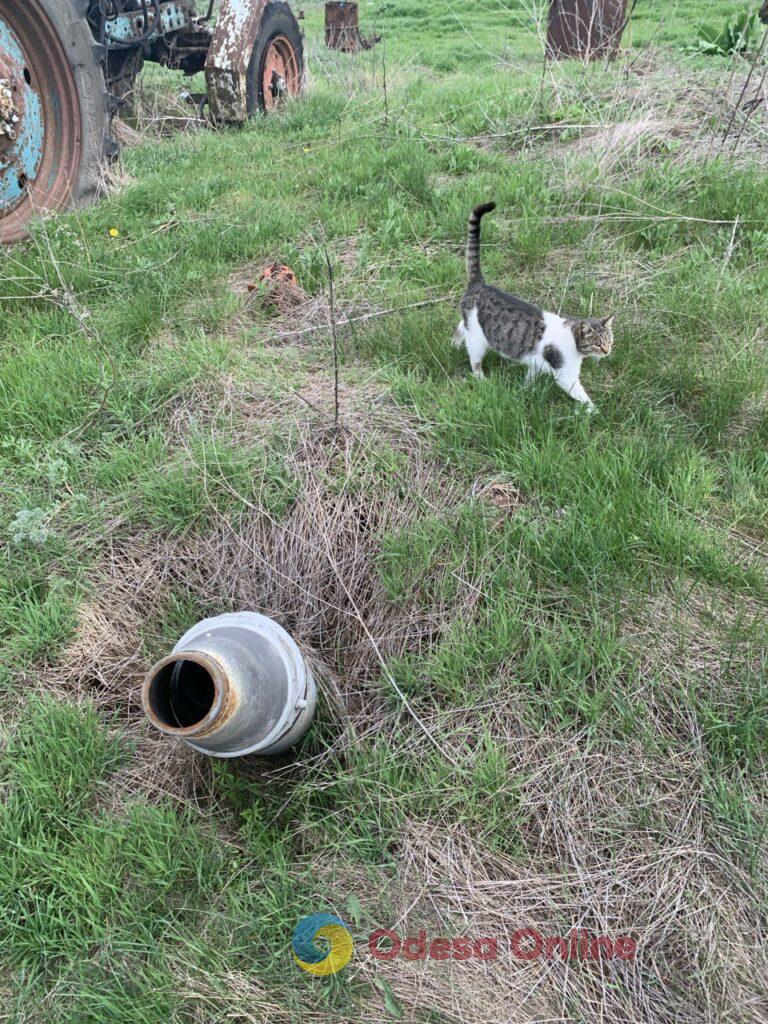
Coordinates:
[474,273]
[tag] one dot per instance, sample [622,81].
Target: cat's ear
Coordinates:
[607,321]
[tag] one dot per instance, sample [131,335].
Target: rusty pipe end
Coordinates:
[185,693]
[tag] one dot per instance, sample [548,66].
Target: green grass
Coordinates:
[597,664]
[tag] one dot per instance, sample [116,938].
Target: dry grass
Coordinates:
[618,837]
[664,109]
[315,571]
[156,109]
[286,312]
[503,495]
[682,903]
[651,107]
[618,840]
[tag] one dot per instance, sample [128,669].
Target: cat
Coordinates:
[544,342]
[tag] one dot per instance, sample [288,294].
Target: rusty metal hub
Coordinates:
[11,100]
[40,137]
[281,76]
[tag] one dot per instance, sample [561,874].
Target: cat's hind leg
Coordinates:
[459,335]
[477,344]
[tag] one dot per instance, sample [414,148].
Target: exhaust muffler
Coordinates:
[235,684]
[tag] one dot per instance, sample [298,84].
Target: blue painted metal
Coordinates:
[21,160]
[173,17]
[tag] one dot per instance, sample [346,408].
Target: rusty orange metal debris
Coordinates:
[273,274]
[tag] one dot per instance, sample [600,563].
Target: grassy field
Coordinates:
[540,637]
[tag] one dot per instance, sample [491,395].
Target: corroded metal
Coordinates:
[281,76]
[586,29]
[226,66]
[235,684]
[9,114]
[174,16]
[40,136]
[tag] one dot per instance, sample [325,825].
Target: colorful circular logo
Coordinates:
[332,954]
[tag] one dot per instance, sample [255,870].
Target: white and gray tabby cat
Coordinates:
[544,342]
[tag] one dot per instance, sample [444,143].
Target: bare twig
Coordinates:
[728,253]
[735,110]
[369,316]
[386,97]
[750,108]
[334,335]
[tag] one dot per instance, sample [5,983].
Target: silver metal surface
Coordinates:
[235,684]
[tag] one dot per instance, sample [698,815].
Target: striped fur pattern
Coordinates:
[474,273]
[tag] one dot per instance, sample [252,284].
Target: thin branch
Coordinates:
[386,97]
[735,110]
[367,316]
[334,335]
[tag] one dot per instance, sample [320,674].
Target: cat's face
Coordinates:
[594,336]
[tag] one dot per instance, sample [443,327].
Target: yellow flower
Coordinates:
[114,233]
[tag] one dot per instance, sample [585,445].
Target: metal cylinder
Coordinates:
[585,28]
[234,684]
[342,28]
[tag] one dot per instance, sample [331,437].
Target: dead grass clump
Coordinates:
[677,899]
[647,106]
[105,661]
[153,112]
[504,495]
[681,635]
[125,134]
[315,570]
[230,995]
[279,305]
[641,139]
[613,840]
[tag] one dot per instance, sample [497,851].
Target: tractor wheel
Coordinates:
[276,68]
[54,110]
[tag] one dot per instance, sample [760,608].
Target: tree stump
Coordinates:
[342,29]
[585,28]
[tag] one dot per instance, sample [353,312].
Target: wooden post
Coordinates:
[585,28]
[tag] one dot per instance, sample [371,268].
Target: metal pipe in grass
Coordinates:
[234,684]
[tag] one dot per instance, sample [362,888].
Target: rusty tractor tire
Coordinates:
[58,97]
[279,49]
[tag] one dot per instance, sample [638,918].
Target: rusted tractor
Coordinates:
[67,65]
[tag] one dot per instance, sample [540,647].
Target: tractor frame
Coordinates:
[67,66]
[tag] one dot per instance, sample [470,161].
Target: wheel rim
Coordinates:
[280,73]
[40,128]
